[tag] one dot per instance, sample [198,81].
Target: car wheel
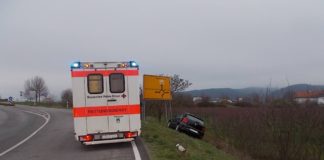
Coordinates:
[169,124]
[178,128]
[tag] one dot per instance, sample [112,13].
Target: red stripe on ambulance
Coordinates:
[106,110]
[104,72]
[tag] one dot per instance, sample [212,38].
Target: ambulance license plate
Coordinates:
[109,136]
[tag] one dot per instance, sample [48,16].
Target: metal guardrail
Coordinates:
[7,103]
[3,100]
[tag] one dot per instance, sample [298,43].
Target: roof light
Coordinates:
[133,64]
[86,65]
[76,65]
[122,65]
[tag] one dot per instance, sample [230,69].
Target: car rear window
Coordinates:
[192,118]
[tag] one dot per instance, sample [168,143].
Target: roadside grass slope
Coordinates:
[161,142]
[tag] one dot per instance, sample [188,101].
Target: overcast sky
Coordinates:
[212,43]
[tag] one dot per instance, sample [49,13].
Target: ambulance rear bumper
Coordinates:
[108,141]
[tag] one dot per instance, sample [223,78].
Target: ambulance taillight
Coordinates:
[130,134]
[86,138]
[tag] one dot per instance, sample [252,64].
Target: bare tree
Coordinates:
[36,86]
[178,84]
[29,95]
[178,98]
[255,97]
[67,98]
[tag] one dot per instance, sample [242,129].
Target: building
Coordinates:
[309,96]
[197,100]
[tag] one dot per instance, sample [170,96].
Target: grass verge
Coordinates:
[161,143]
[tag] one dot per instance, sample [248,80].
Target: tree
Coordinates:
[28,95]
[182,100]
[256,100]
[36,87]
[205,102]
[178,84]
[178,98]
[67,97]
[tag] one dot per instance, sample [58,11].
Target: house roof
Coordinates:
[309,94]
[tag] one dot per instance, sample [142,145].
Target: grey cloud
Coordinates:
[226,43]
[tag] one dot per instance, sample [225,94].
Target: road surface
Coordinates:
[38,133]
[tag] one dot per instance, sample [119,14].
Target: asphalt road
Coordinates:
[55,140]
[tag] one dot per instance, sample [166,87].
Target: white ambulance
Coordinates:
[106,102]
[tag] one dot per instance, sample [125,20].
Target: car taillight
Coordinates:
[130,134]
[86,138]
[185,120]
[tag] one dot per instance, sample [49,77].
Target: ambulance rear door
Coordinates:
[118,103]
[96,101]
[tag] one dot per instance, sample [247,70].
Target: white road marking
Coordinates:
[47,118]
[135,150]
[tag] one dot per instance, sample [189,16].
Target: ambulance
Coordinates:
[106,102]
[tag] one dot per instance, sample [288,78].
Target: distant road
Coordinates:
[55,140]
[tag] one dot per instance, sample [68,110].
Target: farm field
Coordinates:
[289,133]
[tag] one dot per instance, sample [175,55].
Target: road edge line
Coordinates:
[136,152]
[47,119]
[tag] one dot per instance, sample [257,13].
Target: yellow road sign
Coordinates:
[156,87]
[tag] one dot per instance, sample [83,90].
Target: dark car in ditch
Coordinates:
[189,124]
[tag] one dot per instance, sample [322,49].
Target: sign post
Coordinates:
[10,99]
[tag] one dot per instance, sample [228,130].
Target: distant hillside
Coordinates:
[234,93]
[229,92]
[296,88]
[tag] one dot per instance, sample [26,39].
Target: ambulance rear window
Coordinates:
[117,83]
[95,83]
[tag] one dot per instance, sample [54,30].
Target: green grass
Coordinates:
[161,143]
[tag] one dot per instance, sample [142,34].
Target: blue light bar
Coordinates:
[76,65]
[133,64]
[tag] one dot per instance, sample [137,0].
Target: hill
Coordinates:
[228,92]
[296,88]
[245,92]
